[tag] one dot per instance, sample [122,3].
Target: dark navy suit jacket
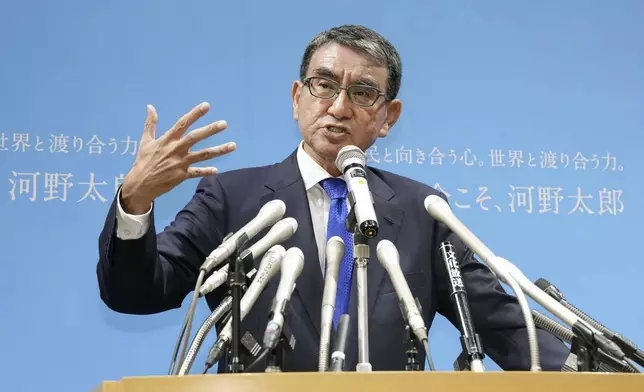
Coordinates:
[156,272]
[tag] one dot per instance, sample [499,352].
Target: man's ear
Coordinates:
[295,97]
[393,113]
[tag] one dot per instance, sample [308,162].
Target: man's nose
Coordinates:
[341,106]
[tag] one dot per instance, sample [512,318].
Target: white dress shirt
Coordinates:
[130,227]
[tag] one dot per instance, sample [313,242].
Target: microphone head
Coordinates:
[348,155]
[437,207]
[291,222]
[387,253]
[285,228]
[334,253]
[292,265]
[293,262]
[549,289]
[272,211]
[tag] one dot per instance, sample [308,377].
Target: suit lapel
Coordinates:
[389,221]
[287,185]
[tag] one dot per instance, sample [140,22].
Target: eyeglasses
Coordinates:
[326,89]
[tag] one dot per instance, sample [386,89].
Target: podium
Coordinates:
[382,381]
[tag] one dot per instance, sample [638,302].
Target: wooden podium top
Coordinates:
[383,381]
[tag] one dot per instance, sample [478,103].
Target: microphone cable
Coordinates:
[428,354]
[205,328]
[512,281]
[257,360]
[186,327]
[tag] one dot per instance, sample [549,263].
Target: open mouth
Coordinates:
[336,130]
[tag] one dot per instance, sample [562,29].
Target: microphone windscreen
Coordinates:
[348,155]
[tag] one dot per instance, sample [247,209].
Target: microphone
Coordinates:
[270,213]
[510,274]
[267,269]
[215,280]
[292,265]
[280,232]
[390,260]
[334,255]
[340,344]
[470,340]
[440,210]
[607,364]
[629,348]
[351,161]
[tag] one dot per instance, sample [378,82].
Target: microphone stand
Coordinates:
[585,345]
[410,340]
[590,357]
[237,286]
[630,349]
[361,259]
[411,351]
[340,344]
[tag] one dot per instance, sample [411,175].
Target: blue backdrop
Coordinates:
[528,114]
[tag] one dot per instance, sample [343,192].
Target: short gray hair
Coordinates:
[361,38]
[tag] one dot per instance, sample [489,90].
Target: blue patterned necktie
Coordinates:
[336,188]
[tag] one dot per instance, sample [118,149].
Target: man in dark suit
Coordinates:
[346,95]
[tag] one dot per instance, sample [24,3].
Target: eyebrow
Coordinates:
[327,72]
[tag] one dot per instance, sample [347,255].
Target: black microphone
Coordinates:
[472,353]
[629,348]
[340,344]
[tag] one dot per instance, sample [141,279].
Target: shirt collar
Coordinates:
[312,173]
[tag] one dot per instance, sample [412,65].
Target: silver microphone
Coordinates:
[334,255]
[351,161]
[292,265]
[270,213]
[390,260]
[215,280]
[280,232]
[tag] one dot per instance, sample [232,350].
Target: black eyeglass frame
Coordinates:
[340,87]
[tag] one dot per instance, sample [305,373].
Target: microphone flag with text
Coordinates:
[472,354]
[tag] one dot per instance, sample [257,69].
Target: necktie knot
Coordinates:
[336,188]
